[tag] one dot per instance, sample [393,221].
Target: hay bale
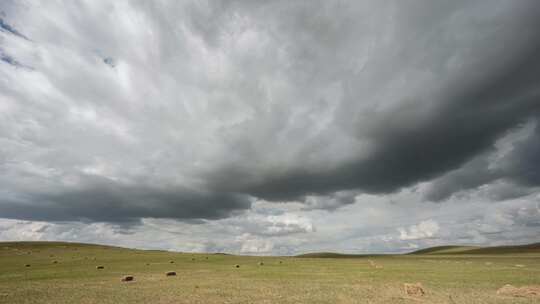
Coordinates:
[193,259]
[281,262]
[27,265]
[374,265]
[55,262]
[128,278]
[237,266]
[507,290]
[414,289]
[172,262]
[261,263]
[100,267]
[488,263]
[170,274]
[206,258]
[519,265]
[525,291]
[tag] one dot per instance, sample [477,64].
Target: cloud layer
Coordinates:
[120,113]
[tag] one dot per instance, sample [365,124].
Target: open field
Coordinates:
[213,278]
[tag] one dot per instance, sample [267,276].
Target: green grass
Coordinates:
[212,278]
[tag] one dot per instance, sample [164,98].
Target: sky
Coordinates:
[270,127]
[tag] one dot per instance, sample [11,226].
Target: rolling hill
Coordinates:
[528,248]
[438,250]
[451,249]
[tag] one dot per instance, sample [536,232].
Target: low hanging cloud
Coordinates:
[194,110]
[507,171]
[107,201]
[425,229]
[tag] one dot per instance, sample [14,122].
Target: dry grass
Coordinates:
[524,291]
[445,279]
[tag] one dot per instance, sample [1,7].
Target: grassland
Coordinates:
[213,278]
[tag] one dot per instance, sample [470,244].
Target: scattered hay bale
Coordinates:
[261,263]
[507,290]
[128,278]
[55,262]
[193,259]
[26,265]
[206,258]
[237,266]
[525,291]
[170,274]
[172,262]
[374,265]
[147,264]
[414,289]
[100,267]
[281,262]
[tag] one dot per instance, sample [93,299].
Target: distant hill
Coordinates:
[528,248]
[445,249]
[332,255]
[438,250]
[29,245]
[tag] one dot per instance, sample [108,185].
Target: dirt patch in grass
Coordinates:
[524,291]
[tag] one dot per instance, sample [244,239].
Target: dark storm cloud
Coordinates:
[211,105]
[108,201]
[329,202]
[517,171]
[522,164]
[468,117]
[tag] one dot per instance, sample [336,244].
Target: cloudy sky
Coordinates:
[270,127]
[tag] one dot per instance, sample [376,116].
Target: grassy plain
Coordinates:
[213,278]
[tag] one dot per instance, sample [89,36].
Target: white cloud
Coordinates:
[254,245]
[425,229]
